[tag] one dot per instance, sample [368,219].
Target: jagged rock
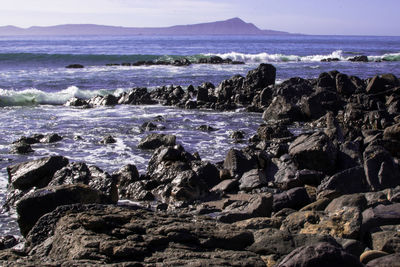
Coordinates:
[7,241]
[392,244]
[320,254]
[36,173]
[268,132]
[76,102]
[37,203]
[92,176]
[226,186]
[21,148]
[252,179]
[260,77]
[238,162]
[346,182]
[326,81]
[281,242]
[281,109]
[206,128]
[108,140]
[380,169]
[136,96]
[295,198]
[376,85]
[255,206]
[99,235]
[154,140]
[392,132]
[314,152]
[108,100]
[128,174]
[51,138]
[75,66]
[344,85]
[148,126]
[361,58]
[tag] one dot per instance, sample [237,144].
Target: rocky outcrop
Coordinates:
[154,140]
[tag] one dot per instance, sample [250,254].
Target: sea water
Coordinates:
[34,84]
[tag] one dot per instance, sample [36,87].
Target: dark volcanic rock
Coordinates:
[21,148]
[7,241]
[295,198]
[260,77]
[37,203]
[136,96]
[320,254]
[94,177]
[77,102]
[36,173]
[344,85]
[381,215]
[359,58]
[391,260]
[108,140]
[75,66]
[238,162]
[255,206]
[154,140]
[346,182]
[108,100]
[252,179]
[314,152]
[99,235]
[376,85]
[281,109]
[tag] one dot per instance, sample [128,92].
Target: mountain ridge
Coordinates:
[233,26]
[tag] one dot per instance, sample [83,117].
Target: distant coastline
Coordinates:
[234,26]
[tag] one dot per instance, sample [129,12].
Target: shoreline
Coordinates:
[279,185]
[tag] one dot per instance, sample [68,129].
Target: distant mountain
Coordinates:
[234,26]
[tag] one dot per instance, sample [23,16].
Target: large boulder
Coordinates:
[380,168]
[37,203]
[314,152]
[381,215]
[35,173]
[92,176]
[260,77]
[320,254]
[295,198]
[107,100]
[239,162]
[154,140]
[255,206]
[252,179]
[282,109]
[344,85]
[106,234]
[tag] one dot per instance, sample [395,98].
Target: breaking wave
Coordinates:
[29,97]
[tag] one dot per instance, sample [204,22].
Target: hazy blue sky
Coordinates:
[367,17]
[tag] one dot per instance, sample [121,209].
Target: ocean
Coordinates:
[34,84]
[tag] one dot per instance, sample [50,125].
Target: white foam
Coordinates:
[35,96]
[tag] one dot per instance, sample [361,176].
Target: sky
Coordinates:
[347,17]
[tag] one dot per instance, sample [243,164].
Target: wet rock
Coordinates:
[238,162]
[255,206]
[359,59]
[37,203]
[252,179]
[136,96]
[108,100]
[314,152]
[36,173]
[51,138]
[126,175]
[7,241]
[260,77]
[295,198]
[385,261]
[108,140]
[268,132]
[77,102]
[207,172]
[375,85]
[320,254]
[21,148]
[94,177]
[206,128]
[281,109]
[344,85]
[238,136]
[75,66]
[154,140]
[326,81]
[138,191]
[346,182]
[148,126]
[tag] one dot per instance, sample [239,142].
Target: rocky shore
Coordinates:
[327,197]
